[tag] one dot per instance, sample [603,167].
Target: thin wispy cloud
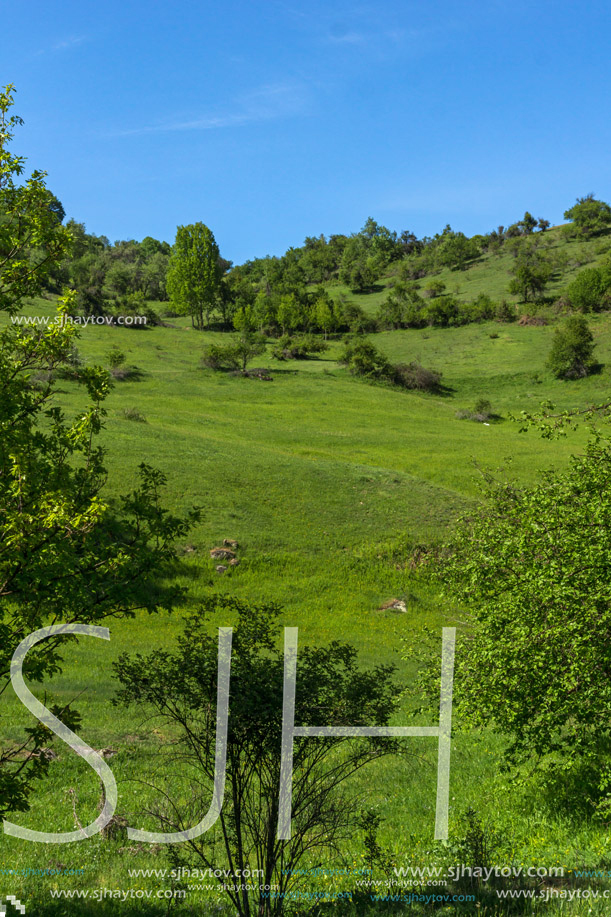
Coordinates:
[380,38]
[64,44]
[346,38]
[70,42]
[267,103]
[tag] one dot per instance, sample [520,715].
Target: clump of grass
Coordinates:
[134,414]
[481,413]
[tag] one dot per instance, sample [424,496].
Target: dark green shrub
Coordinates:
[587,291]
[134,414]
[298,348]
[433,288]
[403,308]
[444,311]
[220,357]
[414,376]
[482,412]
[572,349]
[364,359]
[115,357]
[505,312]
[484,308]
[236,355]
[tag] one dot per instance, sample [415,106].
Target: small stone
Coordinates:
[394,605]
[108,752]
[48,754]
[221,554]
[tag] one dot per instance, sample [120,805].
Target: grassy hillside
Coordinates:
[490,273]
[328,483]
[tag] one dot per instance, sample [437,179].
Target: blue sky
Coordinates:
[272,121]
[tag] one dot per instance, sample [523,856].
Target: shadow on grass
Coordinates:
[111,907]
[128,374]
[443,391]
[579,793]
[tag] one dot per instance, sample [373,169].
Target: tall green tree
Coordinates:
[194,273]
[67,555]
[528,223]
[32,238]
[456,250]
[589,216]
[323,314]
[531,274]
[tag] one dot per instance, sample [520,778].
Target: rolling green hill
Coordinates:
[333,486]
[490,272]
[329,484]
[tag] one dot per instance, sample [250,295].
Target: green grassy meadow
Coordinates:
[329,484]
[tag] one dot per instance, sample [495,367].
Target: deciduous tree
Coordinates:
[332,690]
[532,568]
[66,554]
[572,349]
[194,273]
[589,216]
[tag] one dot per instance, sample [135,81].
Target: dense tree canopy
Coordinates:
[589,216]
[590,290]
[32,239]
[531,274]
[533,569]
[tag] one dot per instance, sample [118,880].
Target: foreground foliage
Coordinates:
[332,690]
[66,555]
[534,570]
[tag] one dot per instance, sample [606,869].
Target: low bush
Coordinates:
[414,376]
[572,349]
[589,291]
[433,289]
[298,348]
[505,312]
[481,413]
[364,359]
[115,357]
[235,356]
[220,357]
